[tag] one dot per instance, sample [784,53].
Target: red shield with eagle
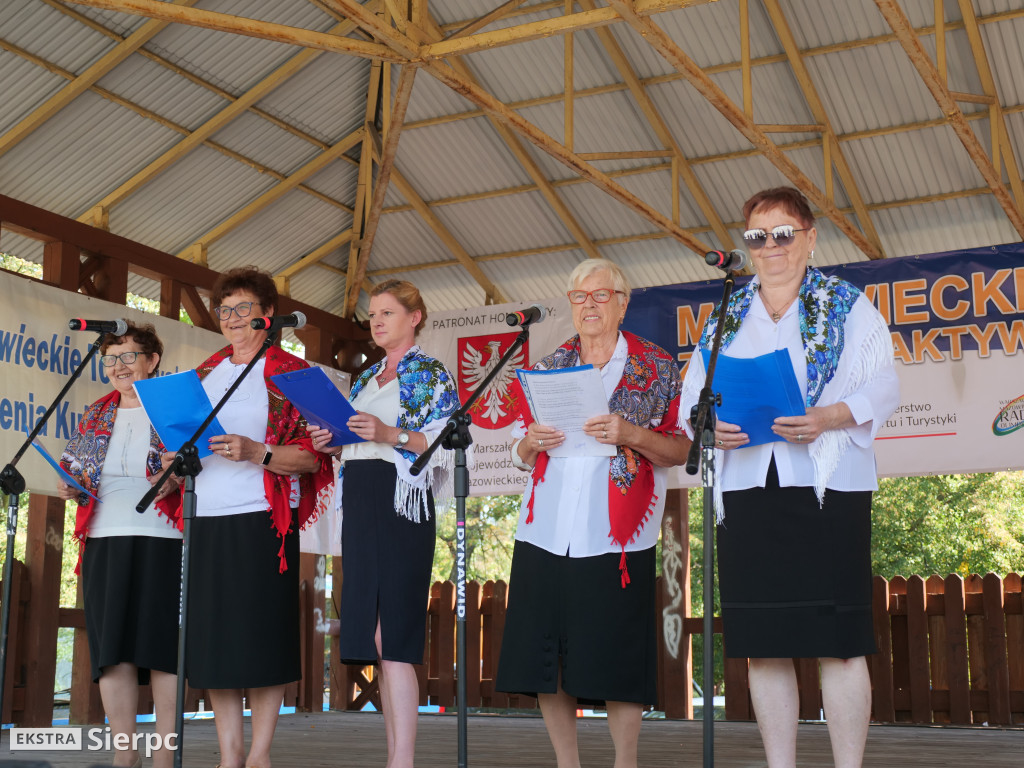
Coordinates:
[478,355]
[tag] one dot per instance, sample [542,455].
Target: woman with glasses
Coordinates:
[130,563]
[580,625]
[794,533]
[259,485]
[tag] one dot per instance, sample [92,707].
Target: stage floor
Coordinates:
[356,740]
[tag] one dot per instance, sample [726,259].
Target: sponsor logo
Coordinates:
[1010,417]
[478,355]
[29,739]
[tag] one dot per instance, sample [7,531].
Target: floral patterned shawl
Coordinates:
[426,394]
[285,426]
[823,303]
[647,395]
[86,451]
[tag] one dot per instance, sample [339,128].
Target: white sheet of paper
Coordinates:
[565,398]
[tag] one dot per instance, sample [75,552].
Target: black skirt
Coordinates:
[130,589]
[386,562]
[572,615]
[795,577]
[243,625]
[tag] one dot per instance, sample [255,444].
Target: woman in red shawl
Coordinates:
[259,486]
[131,563]
[581,608]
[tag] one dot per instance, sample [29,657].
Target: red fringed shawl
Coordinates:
[647,393]
[83,459]
[285,426]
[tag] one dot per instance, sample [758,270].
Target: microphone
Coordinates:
[524,317]
[117,327]
[276,322]
[733,261]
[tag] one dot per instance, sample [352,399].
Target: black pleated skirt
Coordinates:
[130,589]
[243,614]
[571,615]
[795,577]
[386,562]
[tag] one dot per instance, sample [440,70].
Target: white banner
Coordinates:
[38,354]
[470,342]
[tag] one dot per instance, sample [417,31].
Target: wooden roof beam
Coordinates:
[99,211]
[535,30]
[833,152]
[712,70]
[315,165]
[671,52]
[1001,143]
[316,255]
[403,92]
[933,81]
[265,30]
[523,157]
[682,166]
[486,20]
[493,294]
[201,134]
[405,48]
[24,128]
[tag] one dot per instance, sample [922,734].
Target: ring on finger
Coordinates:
[540,443]
[721,443]
[799,438]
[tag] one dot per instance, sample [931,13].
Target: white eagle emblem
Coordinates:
[475,367]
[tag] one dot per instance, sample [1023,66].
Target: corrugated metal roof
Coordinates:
[872,95]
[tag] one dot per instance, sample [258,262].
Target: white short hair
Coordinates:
[588,267]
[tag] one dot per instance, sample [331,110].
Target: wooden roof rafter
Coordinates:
[315,165]
[658,39]
[946,101]
[27,125]
[833,154]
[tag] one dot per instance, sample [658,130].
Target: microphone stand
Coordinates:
[187,464]
[456,435]
[13,484]
[703,418]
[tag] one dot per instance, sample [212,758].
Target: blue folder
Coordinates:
[319,402]
[756,391]
[176,405]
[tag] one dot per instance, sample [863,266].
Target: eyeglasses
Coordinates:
[783,235]
[601,295]
[109,361]
[242,310]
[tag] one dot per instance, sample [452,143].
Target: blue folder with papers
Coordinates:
[756,391]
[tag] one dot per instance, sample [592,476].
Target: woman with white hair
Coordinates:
[581,611]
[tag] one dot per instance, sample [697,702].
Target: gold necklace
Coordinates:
[776,315]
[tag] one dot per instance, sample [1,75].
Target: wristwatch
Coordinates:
[267,456]
[403,439]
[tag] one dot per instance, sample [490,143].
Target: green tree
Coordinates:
[945,524]
[490,536]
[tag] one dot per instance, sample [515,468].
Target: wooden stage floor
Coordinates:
[356,740]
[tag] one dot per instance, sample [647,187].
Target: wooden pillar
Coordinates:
[14,698]
[675,651]
[61,262]
[86,705]
[312,586]
[43,559]
[170,298]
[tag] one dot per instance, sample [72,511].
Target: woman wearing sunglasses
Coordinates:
[581,610]
[130,563]
[794,533]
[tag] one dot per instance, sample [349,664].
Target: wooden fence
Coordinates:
[950,651]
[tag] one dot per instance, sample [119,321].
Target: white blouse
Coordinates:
[123,483]
[570,513]
[870,406]
[226,487]
[381,402]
